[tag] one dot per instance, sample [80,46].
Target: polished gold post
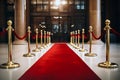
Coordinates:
[49,37]
[41,36]
[41,39]
[29,54]
[90,54]
[78,38]
[73,38]
[83,31]
[45,38]
[70,37]
[82,49]
[36,49]
[10,64]
[107,63]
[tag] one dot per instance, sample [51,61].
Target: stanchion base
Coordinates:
[36,50]
[77,47]
[29,55]
[70,43]
[73,45]
[42,47]
[9,65]
[82,50]
[108,65]
[91,54]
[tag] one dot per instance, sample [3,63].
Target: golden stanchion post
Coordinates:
[73,32]
[90,54]
[36,49]
[49,38]
[76,47]
[10,64]
[44,38]
[78,38]
[73,38]
[70,37]
[107,63]
[41,39]
[29,54]
[82,49]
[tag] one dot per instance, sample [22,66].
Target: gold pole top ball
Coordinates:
[83,30]
[90,28]
[29,27]
[9,22]
[78,31]
[36,29]
[107,22]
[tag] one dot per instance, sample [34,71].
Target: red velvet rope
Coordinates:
[3,32]
[33,36]
[21,38]
[85,36]
[115,32]
[99,36]
[45,36]
[78,35]
[39,36]
[48,35]
[72,35]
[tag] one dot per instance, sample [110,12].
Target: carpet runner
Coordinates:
[59,63]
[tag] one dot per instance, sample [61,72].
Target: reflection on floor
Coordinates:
[92,62]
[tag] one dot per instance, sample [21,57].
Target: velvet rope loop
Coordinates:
[78,35]
[115,32]
[86,36]
[33,36]
[40,36]
[97,38]
[21,38]
[73,35]
[3,32]
[47,35]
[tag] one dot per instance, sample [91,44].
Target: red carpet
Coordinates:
[60,63]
